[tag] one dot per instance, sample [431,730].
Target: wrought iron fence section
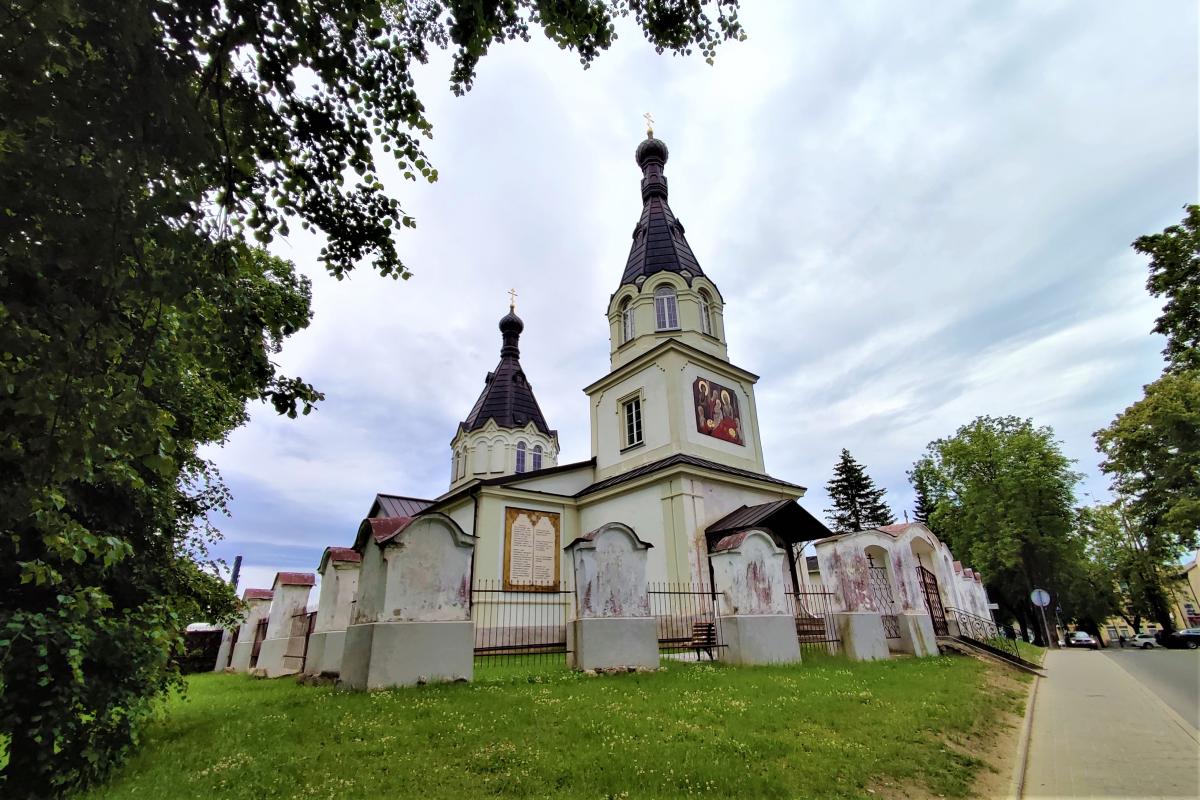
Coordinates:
[687,619]
[816,628]
[881,589]
[520,625]
[933,600]
[972,626]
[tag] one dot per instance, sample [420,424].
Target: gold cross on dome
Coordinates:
[649,124]
[512,299]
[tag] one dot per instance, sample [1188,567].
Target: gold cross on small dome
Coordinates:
[512,299]
[649,125]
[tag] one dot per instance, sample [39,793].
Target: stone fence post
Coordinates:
[258,605]
[756,622]
[613,627]
[339,581]
[412,616]
[283,647]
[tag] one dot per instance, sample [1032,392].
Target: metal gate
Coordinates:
[881,590]
[933,601]
[816,628]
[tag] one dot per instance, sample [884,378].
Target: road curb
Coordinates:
[1017,787]
[1171,713]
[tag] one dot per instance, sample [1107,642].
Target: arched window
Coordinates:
[520,456]
[626,321]
[705,313]
[537,456]
[665,310]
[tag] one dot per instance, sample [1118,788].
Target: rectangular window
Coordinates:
[632,412]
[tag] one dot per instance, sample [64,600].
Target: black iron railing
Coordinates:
[981,629]
[816,627]
[520,626]
[687,619]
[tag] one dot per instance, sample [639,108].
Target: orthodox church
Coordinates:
[675,441]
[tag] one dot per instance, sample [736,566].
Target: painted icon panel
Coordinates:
[717,413]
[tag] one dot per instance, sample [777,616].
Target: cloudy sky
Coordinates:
[917,213]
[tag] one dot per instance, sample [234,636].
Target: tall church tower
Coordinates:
[671,389]
[505,433]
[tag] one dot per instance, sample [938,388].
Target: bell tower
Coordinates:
[671,388]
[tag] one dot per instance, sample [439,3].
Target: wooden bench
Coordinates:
[704,637]
[810,628]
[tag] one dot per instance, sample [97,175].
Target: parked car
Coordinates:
[1082,639]
[1188,639]
[1143,640]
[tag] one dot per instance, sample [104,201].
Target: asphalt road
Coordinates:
[1173,675]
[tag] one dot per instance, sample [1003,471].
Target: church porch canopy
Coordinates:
[786,519]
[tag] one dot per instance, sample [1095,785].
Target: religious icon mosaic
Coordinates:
[717,411]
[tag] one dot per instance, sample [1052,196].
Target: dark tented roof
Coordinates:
[394,505]
[680,458]
[658,241]
[787,519]
[507,396]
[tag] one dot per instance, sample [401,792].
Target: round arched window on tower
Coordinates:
[706,313]
[626,321]
[537,457]
[520,456]
[666,310]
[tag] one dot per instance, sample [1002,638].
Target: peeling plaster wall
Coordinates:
[372,578]
[287,601]
[428,574]
[610,577]
[750,578]
[257,609]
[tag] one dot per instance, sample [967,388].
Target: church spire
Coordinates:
[507,397]
[659,244]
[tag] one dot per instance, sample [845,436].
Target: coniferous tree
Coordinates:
[923,505]
[857,502]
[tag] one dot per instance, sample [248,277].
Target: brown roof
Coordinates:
[680,458]
[394,505]
[343,554]
[257,594]
[295,579]
[896,528]
[384,529]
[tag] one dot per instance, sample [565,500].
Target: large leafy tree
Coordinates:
[1002,499]
[144,146]
[857,502]
[1127,567]
[1152,449]
[1175,275]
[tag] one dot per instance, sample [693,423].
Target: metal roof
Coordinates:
[394,505]
[507,395]
[295,579]
[787,519]
[658,241]
[680,458]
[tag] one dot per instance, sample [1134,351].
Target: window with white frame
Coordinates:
[705,313]
[631,413]
[537,456]
[520,456]
[666,309]
[626,321]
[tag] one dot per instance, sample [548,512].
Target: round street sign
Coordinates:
[1040,597]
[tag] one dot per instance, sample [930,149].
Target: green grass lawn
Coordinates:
[827,728]
[1031,652]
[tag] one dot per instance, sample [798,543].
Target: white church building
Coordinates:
[676,446]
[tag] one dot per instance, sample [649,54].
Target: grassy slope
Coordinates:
[827,728]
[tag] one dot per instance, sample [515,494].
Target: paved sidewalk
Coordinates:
[1098,732]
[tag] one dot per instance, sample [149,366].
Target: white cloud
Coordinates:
[916,214]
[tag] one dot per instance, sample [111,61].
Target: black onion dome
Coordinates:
[511,323]
[651,149]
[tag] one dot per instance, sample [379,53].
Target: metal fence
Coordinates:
[514,626]
[687,620]
[816,628]
[984,630]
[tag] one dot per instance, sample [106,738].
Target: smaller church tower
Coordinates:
[505,433]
